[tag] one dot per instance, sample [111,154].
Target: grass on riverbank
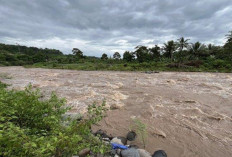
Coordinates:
[134,66]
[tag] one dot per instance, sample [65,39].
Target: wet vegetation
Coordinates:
[31,126]
[179,55]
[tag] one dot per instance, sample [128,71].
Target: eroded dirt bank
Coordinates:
[187,114]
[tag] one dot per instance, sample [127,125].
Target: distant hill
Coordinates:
[23,55]
[28,50]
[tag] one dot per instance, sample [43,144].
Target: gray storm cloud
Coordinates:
[97,26]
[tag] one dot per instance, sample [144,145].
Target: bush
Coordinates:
[195,63]
[219,63]
[30,126]
[2,85]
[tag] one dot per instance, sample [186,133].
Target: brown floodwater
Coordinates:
[187,114]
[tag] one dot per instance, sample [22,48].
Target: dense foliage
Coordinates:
[30,126]
[179,55]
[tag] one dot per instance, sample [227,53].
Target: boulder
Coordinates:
[159,133]
[172,82]
[119,140]
[131,152]
[159,153]
[115,106]
[144,153]
[148,72]
[131,136]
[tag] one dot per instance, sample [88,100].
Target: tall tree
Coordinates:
[228,46]
[155,52]
[197,49]
[77,52]
[169,49]
[142,53]
[128,56]
[182,43]
[104,56]
[229,37]
[116,55]
[210,47]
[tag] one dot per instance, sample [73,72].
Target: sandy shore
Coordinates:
[187,114]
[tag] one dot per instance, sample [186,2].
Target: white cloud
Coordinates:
[103,26]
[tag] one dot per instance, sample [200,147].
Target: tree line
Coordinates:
[21,55]
[178,53]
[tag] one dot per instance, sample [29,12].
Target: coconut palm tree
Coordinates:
[228,46]
[228,43]
[229,36]
[169,49]
[182,43]
[196,49]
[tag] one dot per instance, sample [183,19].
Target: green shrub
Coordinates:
[2,85]
[219,63]
[30,126]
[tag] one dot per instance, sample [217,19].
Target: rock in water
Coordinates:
[131,136]
[131,152]
[159,153]
[172,82]
[157,132]
[144,153]
[148,72]
[119,140]
[115,107]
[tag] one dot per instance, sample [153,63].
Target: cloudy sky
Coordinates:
[97,26]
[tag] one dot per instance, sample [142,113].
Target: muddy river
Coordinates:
[187,114]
